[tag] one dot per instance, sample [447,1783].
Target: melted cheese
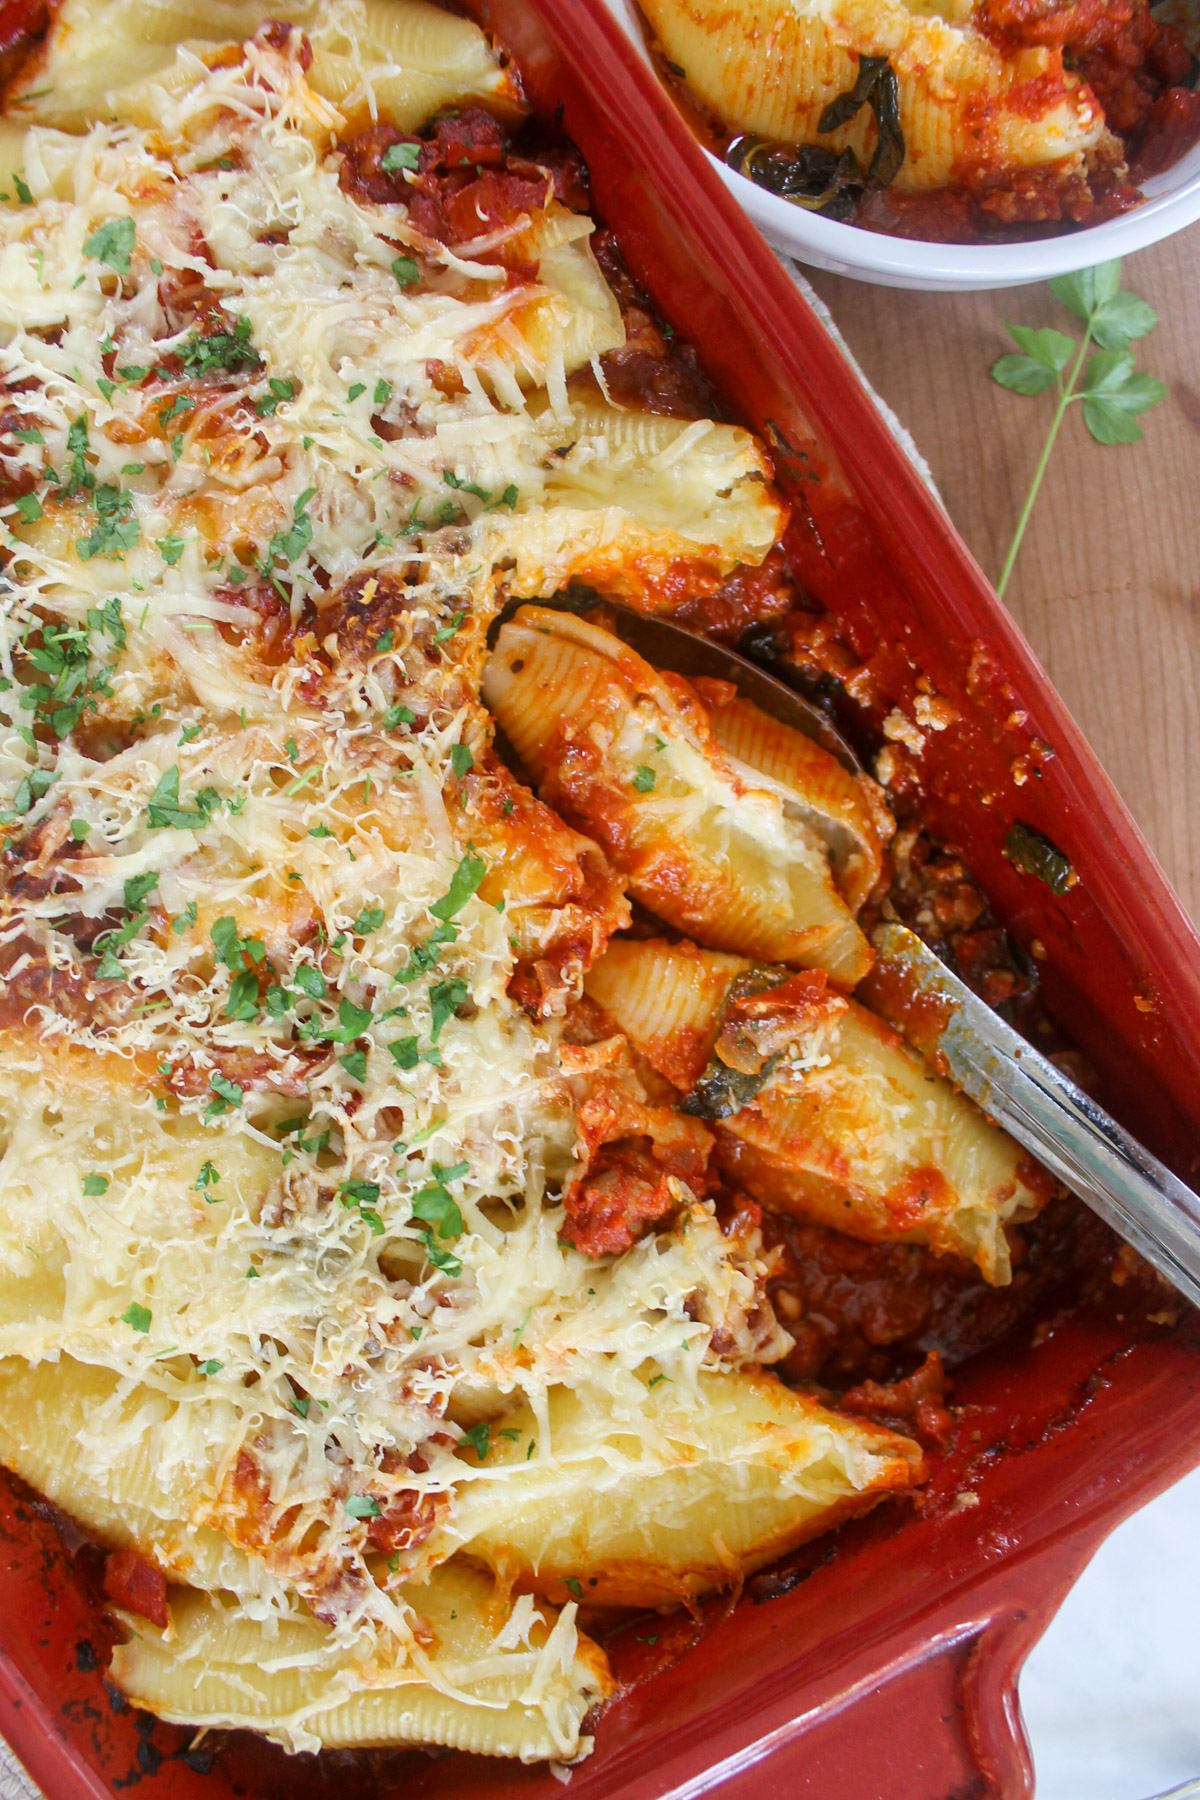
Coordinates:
[284,1155]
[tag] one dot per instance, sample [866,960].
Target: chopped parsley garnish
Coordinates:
[220,350]
[30,788]
[353,1021]
[463,883]
[508,498]
[446,997]
[111,244]
[445,632]
[228,1095]
[63,656]
[137,887]
[170,548]
[207,1178]
[383,392]
[277,390]
[406,1055]
[461,760]
[465,487]
[310,981]
[405,269]
[107,618]
[368,920]
[435,1206]
[138,1317]
[363,1195]
[242,999]
[398,715]
[233,950]
[23,193]
[425,955]
[29,507]
[79,829]
[210,1367]
[115,531]
[80,476]
[28,434]
[478,1438]
[180,403]
[643,781]
[363,1506]
[359,387]
[185,920]
[355,1064]
[292,544]
[163,810]
[401,156]
[572,1586]
[358,1193]
[95,1185]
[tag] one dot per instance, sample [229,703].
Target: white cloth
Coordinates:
[1111,1695]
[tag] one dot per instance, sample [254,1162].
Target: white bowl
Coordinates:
[1173,201]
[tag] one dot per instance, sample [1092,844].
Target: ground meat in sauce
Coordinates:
[471,178]
[624,1192]
[653,370]
[872,1312]
[750,597]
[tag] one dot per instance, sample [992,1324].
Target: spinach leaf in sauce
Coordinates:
[827,181]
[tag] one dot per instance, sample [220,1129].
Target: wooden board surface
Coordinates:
[1107,584]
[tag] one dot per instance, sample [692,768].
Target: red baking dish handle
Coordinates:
[942,1723]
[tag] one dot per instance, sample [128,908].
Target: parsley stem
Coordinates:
[1065,397]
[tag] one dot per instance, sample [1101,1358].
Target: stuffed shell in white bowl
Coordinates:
[968,144]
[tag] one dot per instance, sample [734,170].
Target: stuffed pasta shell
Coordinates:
[773,70]
[734,847]
[818,1107]
[867,109]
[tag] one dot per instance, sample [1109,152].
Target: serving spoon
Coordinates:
[942,1017]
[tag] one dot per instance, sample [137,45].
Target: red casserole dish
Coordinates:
[888,1666]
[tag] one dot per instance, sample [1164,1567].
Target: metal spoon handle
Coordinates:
[1064,1128]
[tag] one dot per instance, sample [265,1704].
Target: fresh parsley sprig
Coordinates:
[1113,390]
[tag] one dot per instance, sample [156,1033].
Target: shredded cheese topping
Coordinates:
[282,1152]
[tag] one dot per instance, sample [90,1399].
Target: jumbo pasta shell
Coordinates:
[628,754]
[847,812]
